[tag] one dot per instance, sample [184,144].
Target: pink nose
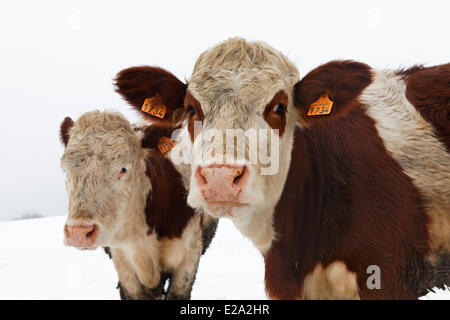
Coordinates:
[81,236]
[221,182]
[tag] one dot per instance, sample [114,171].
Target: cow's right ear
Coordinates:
[64,130]
[331,90]
[165,93]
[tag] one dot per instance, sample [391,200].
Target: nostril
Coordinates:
[241,176]
[92,232]
[200,176]
[238,177]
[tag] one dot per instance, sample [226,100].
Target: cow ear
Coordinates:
[165,94]
[64,130]
[151,135]
[331,90]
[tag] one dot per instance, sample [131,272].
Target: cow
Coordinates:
[126,196]
[359,206]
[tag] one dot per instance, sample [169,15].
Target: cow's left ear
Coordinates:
[156,93]
[64,130]
[331,90]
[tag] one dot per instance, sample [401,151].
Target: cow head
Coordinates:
[240,110]
[243,94]
[105,178]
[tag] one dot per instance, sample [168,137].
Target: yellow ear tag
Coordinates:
[165,144]
[322,106]
[154,106]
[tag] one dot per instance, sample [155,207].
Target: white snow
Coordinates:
[34,264]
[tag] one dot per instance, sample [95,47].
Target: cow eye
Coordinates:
[122,173]
[279,109]
[191,110]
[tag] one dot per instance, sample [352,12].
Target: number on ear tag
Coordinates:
[165,144]
[321,107]
[154,106]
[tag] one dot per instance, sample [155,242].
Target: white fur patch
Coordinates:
[334,282]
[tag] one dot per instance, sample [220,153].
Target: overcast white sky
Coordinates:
[58,58]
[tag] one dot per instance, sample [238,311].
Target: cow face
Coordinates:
[243,94]
[105,178]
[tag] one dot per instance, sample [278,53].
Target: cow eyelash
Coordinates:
[190,110]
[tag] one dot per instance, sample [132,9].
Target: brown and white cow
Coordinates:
[364,186]
[124,195]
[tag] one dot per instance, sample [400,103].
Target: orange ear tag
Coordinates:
[165,144]
[154,106]
[321,107]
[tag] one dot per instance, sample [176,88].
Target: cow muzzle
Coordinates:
[81,236]
[222,184]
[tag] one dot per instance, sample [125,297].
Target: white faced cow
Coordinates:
[126,196]
[359,207]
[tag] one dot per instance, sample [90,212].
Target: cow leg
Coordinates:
[124,295]
[183,276]
[182,281]
[144,293]
[147,272]
[442,271]
[129,286]
[157,292]
[138,279]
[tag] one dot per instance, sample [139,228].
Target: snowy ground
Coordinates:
[34,264]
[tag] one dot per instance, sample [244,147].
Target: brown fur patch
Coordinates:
[64,130]
[167,212]
[138,83]
[346,201]
[277,121]
[343,81]
[428,89]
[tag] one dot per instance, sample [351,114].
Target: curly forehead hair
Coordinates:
[236,54]
[94,129]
